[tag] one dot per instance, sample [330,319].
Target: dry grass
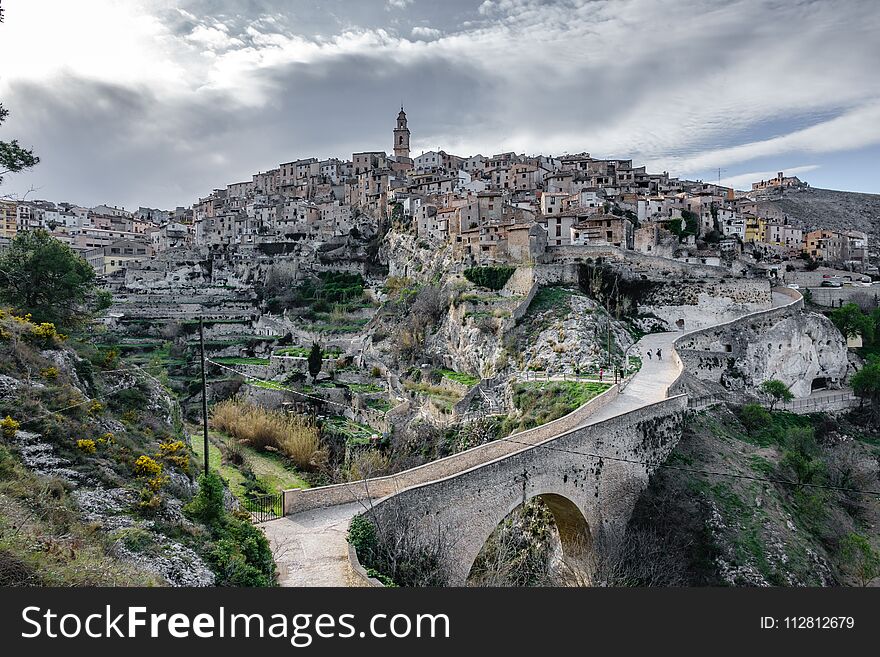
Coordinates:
[367,464]
[295,436]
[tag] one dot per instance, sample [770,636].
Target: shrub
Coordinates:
[754,416]
[174,452]
[362,537]
[86,445]
[46,335]
[777,391]
[493,278]
[207,505]
[241,555]
[95,407]
[860,559]
[49,373]
[366,464]
[10,427]
[146,466]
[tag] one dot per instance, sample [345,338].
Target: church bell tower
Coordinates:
[401,136]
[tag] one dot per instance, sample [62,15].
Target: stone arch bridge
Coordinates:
[588,467]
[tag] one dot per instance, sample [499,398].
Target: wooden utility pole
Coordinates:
[204,390]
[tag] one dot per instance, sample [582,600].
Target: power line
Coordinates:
[691,470]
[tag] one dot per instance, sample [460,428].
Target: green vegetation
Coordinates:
[302,352]
[766,429]
[365,388]
[239,553]
[852,322]
[319,294]
[246,470]
[443,397]
[866,384]
[549,303]
[382,405]
[459,377]
[43,537]
[691,225]
[315,360]
[777,391]
[242,361]
[861,560]
[43,541]
[351,432]
[44,277]
[493,278]
[712,524]
[542,402]
[268,385]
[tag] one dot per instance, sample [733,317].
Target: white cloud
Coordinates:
[213,38]
[426,33]
[684,85]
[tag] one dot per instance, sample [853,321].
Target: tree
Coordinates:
[777,391]
[316,356]
[866,384]
[45,277]
[860,559]
[852,322]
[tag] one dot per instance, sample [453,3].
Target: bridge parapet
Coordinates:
[297,500]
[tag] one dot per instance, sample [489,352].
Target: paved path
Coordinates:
[310,548]
[649,384]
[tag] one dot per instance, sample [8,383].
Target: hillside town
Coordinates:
[388,327]
[502,208]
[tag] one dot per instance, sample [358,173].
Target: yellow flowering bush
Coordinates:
[49,373]
[87,445]
[174,452]
[46,332]
[156,483]
[146,466]
[95,407]
[106,439]
[10,427]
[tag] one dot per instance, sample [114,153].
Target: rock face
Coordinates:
[803,350]
[800,351]
[575,342]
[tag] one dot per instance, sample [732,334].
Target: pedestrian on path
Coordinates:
[649,354]
[659,356]
[600,374]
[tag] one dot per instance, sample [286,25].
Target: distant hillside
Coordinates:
[827,208]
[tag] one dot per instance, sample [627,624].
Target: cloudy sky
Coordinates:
[154,102]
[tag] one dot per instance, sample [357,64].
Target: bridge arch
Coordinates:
[574,533]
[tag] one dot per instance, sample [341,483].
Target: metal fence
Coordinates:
[839,400]
[264,508]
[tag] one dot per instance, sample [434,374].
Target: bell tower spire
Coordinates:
[401,136]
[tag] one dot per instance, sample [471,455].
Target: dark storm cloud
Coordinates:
[684,85]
